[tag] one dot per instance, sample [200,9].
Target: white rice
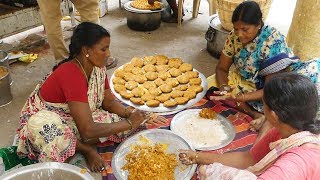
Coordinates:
[201,132]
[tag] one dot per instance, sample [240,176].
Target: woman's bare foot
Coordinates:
[257,123]
[94,161]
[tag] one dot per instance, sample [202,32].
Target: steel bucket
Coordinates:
[216,36]
[142,20]
[5,88]
[4,61]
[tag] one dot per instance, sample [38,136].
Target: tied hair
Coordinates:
[74,48]
[85,34]
[313,127]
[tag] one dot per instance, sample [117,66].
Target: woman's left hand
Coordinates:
[156,120]
[224,97]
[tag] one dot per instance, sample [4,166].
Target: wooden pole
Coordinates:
[304,32]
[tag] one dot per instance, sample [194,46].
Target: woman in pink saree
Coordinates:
[291,150]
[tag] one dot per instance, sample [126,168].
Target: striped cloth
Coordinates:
[242,142]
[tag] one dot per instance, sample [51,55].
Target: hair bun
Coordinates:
[312,127]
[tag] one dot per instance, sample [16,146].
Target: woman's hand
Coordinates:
[224,97]
[225,88]
[137,118]
[228,96]
[224,93]
[156,120]
[188,157]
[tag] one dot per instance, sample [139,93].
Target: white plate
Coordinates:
[180,120]
[161,108]
[127,6]
[174,142]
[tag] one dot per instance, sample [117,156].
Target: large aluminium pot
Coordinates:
[5,88]
[48,170]
[215,36]
[4,61]
[142,20]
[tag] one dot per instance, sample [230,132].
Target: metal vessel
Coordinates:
[142,20]
[215,36]
[5,88]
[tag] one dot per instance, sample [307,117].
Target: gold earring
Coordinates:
[87,55]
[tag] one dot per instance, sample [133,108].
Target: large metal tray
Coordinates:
[227,127]
[175,143]
[161,108]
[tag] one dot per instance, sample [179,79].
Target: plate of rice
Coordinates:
[203,133]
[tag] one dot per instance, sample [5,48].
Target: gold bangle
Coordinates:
[223,85]
[243,97]
[130,123]
[126,112]
[196,157]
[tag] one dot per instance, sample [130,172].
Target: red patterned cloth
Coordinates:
[243,140]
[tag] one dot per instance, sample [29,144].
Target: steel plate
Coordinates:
[174,142]
[161,108]
[227,127]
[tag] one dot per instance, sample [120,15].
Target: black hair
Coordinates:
[85,34]
[248,12]
[294,98]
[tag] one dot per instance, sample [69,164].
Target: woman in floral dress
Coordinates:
[246,47]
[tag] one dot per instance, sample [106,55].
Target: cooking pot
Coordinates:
[4,61]
[142,20]
[48,170]
[5,88]
[216,36]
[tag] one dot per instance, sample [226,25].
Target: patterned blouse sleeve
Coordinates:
[228,48]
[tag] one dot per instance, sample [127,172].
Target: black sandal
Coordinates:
[172,19]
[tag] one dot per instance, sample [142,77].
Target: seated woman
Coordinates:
[74,108]
[291,150]
[246,47]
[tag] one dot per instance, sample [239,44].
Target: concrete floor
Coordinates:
[188,43]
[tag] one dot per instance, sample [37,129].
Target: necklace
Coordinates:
[82,69]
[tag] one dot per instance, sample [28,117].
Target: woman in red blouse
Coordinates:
[74,107]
